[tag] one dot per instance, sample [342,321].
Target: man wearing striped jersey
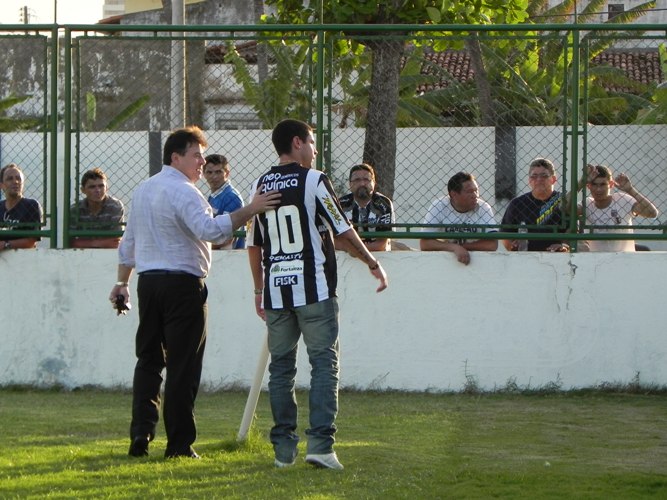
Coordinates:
[293,264]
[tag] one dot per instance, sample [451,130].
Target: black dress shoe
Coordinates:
[191,453]
[139,447]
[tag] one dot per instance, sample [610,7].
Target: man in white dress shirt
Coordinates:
[168,241]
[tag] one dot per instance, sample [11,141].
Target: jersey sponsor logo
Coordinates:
[277,181]
[286,273]
[331,208]
[278,258]
[295,266]
[285,281]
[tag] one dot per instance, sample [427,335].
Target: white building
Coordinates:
[657,15]
[113,8]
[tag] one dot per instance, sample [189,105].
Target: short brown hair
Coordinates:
[602,171]
[363,166]
[92,174]
[7,167]
[544,163]
[217,159]
[180,140]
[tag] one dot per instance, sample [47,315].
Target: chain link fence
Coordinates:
[25,125]
[487,103]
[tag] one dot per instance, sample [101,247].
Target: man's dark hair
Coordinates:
[363,166]
[217,159]
[602,171]
[544,163]
[89,175]
[456,182]
[7,167]
[285,131]
[180,140]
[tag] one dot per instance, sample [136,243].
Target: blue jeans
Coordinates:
[319,325]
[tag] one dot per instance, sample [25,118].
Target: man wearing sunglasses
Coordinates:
[541,207]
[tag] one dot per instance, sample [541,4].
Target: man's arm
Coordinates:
[643,206]
[379,245]
[83,242]
[260,203]
[587,175]
[255,259]
[481,245]
[388,217]
[19,243]
[510,245]
[122,285]
[430,245]
[353,245]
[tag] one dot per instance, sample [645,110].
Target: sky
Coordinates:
[41,11]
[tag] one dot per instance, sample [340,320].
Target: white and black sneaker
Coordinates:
[325,461]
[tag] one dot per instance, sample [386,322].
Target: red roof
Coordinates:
[640,65]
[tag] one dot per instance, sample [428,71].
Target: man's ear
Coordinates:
[296,142]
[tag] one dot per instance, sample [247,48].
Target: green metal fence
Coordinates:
[27,119]
[420,103]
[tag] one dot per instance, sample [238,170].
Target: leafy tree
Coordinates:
[117,120]
[14,123]
[532,80]
[279,94]
[656,110]
[387,53]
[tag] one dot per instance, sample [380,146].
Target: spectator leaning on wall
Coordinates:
[16,211]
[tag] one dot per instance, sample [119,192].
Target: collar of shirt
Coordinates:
[220,189]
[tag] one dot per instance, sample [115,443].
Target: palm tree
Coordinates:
[16,123]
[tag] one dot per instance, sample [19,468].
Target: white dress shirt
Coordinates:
[171,226]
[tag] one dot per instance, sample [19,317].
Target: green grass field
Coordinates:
[393,445]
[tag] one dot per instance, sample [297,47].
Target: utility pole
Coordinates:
[24,16]
[177,66]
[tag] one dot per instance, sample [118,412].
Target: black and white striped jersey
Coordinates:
[298,253]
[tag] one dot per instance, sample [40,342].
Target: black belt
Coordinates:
[165,272]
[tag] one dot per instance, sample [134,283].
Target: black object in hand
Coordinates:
[121,306]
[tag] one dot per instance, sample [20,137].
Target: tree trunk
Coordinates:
[380,143]
[262,60]
[482,80]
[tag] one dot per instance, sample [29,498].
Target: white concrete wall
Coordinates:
[533,319]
